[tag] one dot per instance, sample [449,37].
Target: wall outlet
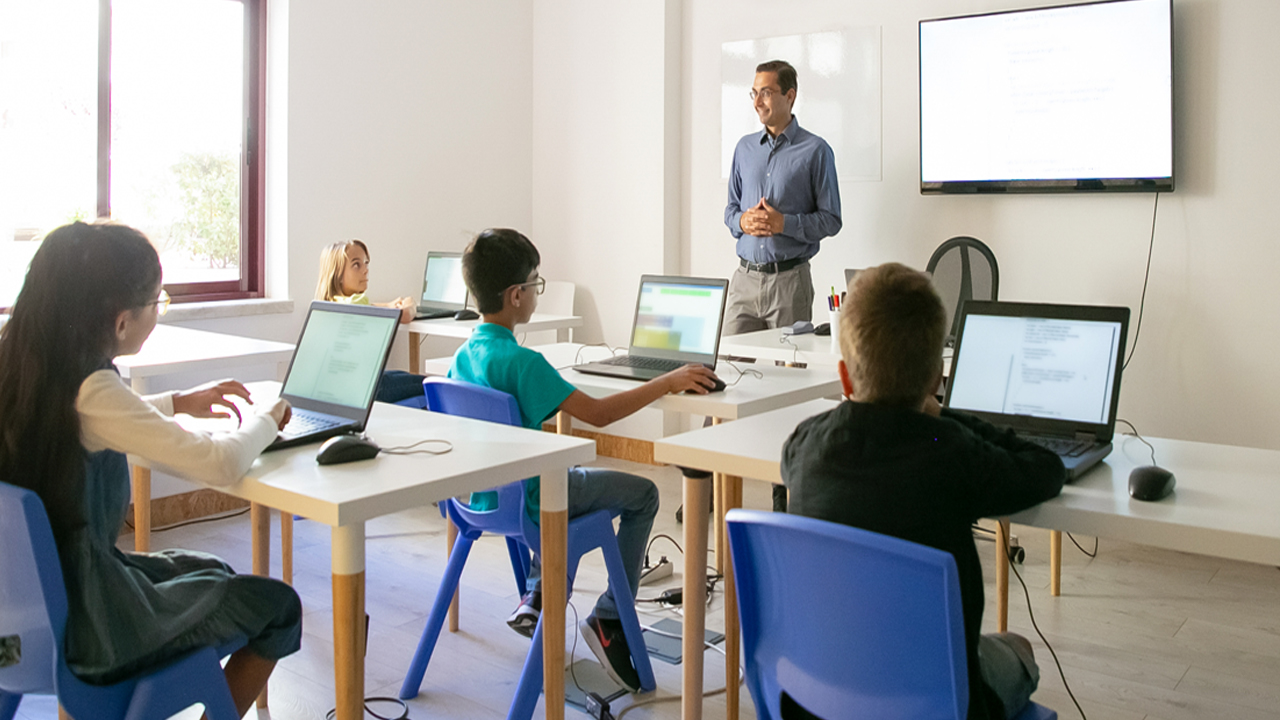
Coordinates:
[654,573]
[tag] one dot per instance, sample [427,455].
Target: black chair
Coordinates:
[963,268]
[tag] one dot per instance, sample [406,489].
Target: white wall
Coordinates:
[1209,335]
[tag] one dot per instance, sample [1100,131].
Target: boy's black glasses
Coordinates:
[540,285]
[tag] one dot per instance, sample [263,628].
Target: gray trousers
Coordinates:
[759,301]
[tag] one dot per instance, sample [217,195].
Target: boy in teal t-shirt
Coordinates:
[501,270]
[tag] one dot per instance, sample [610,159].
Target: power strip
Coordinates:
[653,573]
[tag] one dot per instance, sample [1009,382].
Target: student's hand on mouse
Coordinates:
[281,411]
[695,377]
[211,400]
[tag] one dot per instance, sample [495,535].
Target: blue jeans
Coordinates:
[635,499]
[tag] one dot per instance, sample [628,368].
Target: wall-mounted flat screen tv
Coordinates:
[1056,99]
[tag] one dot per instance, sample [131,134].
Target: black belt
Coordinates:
[773,267]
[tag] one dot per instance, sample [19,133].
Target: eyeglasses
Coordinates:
[540,285]
[161,303]
[765,93]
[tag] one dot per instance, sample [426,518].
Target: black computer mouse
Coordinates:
[823,329]
[1150,482]
[466,314]
[718,387]
[345,449]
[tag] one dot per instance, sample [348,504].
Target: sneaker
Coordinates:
[607,641]
[525,618]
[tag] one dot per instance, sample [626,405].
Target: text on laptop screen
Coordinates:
[1045,368]
[339,358]
[675,316]
[443,281]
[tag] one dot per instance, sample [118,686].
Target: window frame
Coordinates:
[253,167]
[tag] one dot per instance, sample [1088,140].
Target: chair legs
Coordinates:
[519,563]
[195,679]
[627,615]
[435,621]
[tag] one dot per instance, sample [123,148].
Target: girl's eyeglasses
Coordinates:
[161,303]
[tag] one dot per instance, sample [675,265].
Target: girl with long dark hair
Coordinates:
[93,292]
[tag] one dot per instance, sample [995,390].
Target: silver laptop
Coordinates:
[677,322]
[443,290]
[1049,372]
[333,376]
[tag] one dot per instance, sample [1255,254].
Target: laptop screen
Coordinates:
[1050,368]
[442,281]
[678,317]
[340,357]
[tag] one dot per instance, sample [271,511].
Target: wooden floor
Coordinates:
[1141,633]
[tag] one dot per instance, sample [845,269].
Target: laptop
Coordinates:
[444,292]
[849,275]
[1049,372]
[333,376]
[677,322]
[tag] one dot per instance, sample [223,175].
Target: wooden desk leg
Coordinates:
[63,714]
[260,524]
[1055,562]
[695,595]
[717,512]
[142,509]
[286,547]
[347,563]
[564,424]
[732,637]
[555,579]
[415,349]
[1002,575]
[451,537]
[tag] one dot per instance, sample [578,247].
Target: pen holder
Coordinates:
[833,317]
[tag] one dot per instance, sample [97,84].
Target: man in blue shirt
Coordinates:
[501,270]
[783,200]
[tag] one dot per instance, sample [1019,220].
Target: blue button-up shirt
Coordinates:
[796,174]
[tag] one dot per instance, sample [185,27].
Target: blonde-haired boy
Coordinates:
[891,460]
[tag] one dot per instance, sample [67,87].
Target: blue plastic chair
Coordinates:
[33,605]
[897,650]
[586,533]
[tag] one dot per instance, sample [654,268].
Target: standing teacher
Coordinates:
[783,200]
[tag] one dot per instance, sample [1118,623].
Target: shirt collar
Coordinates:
[494,330]
[790,132]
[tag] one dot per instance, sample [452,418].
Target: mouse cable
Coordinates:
[1043,639]
[1088,554]
[795,349]
[577,357]
[1140,439]
[1143,302]
[742,371]
[409,449]
[194,521]
[404,709]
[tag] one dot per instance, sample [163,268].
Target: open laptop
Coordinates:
[333,376]
[1049,372]
[677,322]
[443,290]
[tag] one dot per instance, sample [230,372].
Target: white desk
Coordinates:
[346,496]
[461,329]
[822,351]
[1226,503]
[172,349]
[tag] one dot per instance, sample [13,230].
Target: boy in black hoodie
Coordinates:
[890,460]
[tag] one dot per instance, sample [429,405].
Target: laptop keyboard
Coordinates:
[647,363]
[303,423]
[1067,447]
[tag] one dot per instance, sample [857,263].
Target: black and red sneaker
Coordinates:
[525,618]
[609,643]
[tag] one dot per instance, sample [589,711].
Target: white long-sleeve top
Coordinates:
[114,417]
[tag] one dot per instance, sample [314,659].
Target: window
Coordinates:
[145,111]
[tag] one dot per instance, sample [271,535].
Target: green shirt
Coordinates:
[491,357]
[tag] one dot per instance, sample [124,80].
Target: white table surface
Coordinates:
[448,327]
[747,395]
[173,349]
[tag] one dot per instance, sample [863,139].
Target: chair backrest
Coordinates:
[453,397]
[33,600]
[963,268]
[848,623]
